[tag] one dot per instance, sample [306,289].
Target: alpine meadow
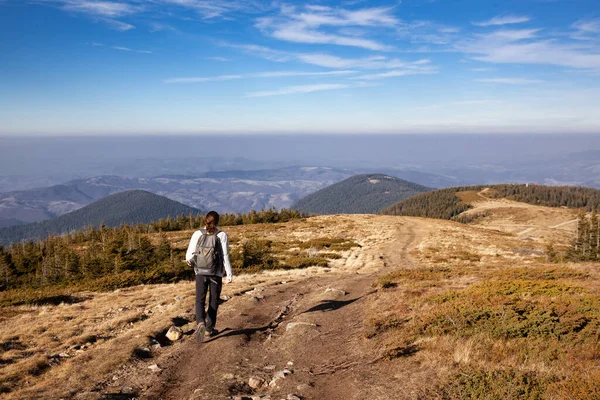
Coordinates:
[311,200]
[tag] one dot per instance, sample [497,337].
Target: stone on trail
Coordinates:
[303,387]
[174,334]
[279,376]
[154,368]
[291,325]
[255,382]
[340,291]
[127,390]
[293,397]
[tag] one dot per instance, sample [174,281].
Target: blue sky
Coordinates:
[192,66]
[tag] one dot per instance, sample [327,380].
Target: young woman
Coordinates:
[208,253]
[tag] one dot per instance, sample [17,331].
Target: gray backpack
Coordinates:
[207,257]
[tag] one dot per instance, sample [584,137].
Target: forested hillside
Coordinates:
[359,194]
[102,258]
[129,207]
[445,204]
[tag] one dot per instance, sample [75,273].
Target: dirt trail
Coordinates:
[313,326]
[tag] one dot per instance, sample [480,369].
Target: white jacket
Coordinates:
[189,255]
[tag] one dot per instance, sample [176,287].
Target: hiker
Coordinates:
[208,253]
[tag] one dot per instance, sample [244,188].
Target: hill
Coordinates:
[359,194]
[448,203]
[472,309]
[131,207]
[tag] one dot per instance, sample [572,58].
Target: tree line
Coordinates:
[586,242]
[445,204]
[103,253]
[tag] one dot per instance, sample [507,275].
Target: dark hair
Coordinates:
[212,220]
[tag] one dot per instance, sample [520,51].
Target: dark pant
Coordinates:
[203,282]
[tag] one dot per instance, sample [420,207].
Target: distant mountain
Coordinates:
[450,202]
[359,194]
[230,191]
[4,222]
[132,207]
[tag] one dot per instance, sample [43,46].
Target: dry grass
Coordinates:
[69,342]
[489,316]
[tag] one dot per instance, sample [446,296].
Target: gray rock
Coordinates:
[270,367]
[293,397]
[174,334]
[64,355]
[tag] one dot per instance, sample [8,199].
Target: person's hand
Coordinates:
[228,279]
[189,263]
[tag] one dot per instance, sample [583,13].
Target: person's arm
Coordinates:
[189,255]
[227,264]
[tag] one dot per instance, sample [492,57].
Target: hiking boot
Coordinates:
[211,332]
[200,331]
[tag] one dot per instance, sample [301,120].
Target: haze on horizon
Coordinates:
[112,67]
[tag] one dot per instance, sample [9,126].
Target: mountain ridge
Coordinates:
[131,206]
[359,194]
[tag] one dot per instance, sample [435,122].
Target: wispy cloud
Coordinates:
[154,26]
[374,62]
[526,46]
[586,29]
[268,74]
[204,79]
[101,11]
[300,89]
[121,48]
[216,58]
[327,60]
[396,73]
[106,9]
[260,51]
[503,20]
[427,32]
[588,26]
[510,81]
[316,24]
[118,25]
[218,9]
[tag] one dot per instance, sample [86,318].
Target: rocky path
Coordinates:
[302,338]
